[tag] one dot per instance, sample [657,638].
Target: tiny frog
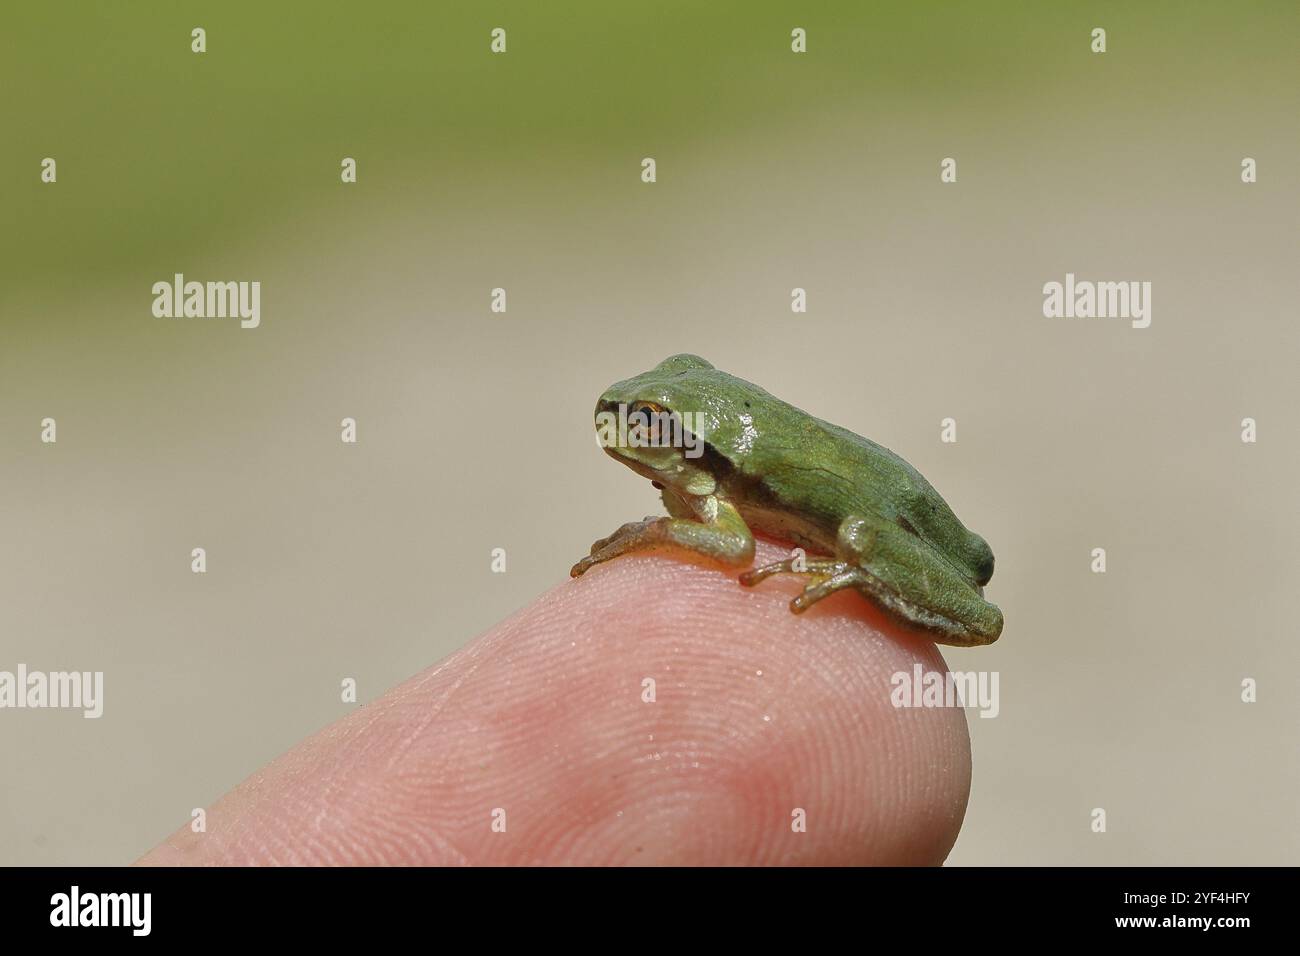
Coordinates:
[729,457]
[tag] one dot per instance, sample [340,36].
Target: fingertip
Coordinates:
[651,711]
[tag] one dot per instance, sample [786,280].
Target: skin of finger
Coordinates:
[651,712]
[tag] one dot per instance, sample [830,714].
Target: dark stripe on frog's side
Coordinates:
[762,508]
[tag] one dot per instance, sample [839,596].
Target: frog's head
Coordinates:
[660,423]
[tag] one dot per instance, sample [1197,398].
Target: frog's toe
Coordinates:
[819,570]
[845,578]
[624,531]
[630,537]
[754,575]
[586,564]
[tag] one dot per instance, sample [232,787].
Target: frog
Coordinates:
[730,459]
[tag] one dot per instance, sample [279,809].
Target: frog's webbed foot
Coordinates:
[827,575]
[629,537]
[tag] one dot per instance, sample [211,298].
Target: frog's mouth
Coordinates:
[657,464]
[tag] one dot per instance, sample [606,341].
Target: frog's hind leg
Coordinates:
[755,575]
[854,543]
[827,575]
[849,578]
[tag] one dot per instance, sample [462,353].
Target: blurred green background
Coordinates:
[522,171]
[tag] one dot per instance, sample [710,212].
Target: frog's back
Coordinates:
[826,473]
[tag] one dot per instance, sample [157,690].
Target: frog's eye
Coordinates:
[649,417]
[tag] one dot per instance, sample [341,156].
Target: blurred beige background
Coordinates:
[821,171]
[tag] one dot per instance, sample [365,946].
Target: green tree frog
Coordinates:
[728,456]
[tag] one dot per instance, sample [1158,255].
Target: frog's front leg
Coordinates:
[716,530]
